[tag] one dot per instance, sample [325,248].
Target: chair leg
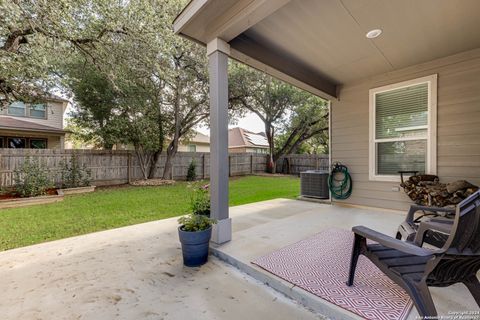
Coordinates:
[422,299]
[356,250]
[473,286]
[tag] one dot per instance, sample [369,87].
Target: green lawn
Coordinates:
[115,207]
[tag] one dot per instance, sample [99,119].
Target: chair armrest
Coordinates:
[392,243]
[415,207]
[441,220]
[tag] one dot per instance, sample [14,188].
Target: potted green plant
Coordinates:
[195,229]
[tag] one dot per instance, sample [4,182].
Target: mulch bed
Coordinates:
[14,195]
[152,182]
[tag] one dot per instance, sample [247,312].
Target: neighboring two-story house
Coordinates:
[198,143]
[35,126]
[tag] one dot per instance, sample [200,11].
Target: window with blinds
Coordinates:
[400,131]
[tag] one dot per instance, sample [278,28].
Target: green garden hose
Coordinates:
[340,188]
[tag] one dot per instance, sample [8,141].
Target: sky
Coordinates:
[250,122]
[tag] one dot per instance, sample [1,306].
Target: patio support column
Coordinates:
[217,52]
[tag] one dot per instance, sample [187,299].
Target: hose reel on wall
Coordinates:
[340,182]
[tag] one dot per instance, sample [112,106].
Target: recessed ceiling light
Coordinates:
[372,34]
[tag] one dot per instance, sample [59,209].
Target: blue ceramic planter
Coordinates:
[194,246]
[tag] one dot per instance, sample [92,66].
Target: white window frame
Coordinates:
[431,158]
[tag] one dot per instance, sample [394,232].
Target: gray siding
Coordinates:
[458,127]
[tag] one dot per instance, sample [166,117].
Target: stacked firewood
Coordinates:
[427,190]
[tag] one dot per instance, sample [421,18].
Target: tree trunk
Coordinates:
[173,146]
[271,165]
[153,166]
[171,153]
[144,160]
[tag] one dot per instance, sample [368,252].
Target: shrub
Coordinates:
[195,222]
[31,179]
[75,175]
[200,201]
[191,173]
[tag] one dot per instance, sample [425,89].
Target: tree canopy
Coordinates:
[292,117]
[133,81]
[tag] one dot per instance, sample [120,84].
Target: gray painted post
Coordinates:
[219,166]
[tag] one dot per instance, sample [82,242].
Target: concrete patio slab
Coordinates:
[263,227]
[134,272]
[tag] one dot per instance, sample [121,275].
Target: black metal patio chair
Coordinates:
[415,268]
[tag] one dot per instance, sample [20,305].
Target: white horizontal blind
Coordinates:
[401,129]
[402,112]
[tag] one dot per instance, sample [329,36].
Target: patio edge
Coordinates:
[291,291]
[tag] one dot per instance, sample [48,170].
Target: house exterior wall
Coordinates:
[200,147]
[54,119]
[248,150]
[237,150]
[458,127]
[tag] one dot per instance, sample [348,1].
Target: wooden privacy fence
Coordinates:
[116,167]
[296,163]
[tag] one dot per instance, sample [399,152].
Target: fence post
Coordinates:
[317,162]
[129,167]
[203,166]
[229,165]
[251,164]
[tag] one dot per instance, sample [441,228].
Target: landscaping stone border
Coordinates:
[78,190]
[24,202]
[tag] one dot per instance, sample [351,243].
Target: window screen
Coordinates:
[16,143]
[38,111]
[16,108]
[38,144]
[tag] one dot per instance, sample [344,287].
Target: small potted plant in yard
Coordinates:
[195,229]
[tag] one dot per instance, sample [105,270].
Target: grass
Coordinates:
[116,207]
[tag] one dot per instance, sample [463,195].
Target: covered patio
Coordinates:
[265,227]
[403,83]
[350,53]
[136,272]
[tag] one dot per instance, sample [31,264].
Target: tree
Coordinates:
[154,85]
[187,94]
[95,115]
[35,35]
[295,115]
[308,120]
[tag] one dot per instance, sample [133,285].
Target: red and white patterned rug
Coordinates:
[320,266]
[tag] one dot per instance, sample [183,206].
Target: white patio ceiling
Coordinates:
[320,44]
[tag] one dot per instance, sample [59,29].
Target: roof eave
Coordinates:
[54,131]
[187,14]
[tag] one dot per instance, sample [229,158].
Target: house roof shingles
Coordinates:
[9,123]
[239,137]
